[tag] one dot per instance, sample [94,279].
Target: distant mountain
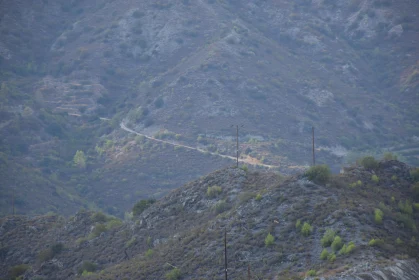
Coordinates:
[185,71]
[361,224]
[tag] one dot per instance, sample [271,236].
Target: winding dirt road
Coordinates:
[250,161]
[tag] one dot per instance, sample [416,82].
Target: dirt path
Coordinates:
[248,160]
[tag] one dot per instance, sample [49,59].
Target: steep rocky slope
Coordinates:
[181,236]
[72,71]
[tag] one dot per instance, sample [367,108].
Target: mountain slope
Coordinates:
[185,230]
[73,71]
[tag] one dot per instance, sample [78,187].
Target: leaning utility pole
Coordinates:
[225,253]
[314,156]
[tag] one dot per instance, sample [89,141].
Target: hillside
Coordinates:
[72,72]
[181,235]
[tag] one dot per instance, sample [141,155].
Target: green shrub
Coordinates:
[375,179]
[130,242]
[298,224]
[311,273]
[416,206]
[88,267]
[406,207]
[406,220]
[347,249]
[113,223]
[258,197]
[332,257]
[269,240]
[99,217]
[414,174]
[336,244]
[375,242]
[50,253]
[306,229]
[319,174]
[221,206]
[394,178]
[328,238]
[142,205]
[324,254]
[389,156]
[17,270]
[378,216]
[369,162]
[214,191]
[356,184]
[244,167]
[174,274]
[399,241]
[415,189]
[149,253]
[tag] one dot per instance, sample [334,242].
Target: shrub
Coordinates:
[328,238]
[378,216]
[142,205]
[356,184]
[220,206]
[375,242]
[306,229]
[415,189]
[347,249]
[213,191]
[332,257]
[298,224]
[375,179]
[399,241]
[88,267]
[149,253]
[258,197]
[17,270]
[324,254]
[244,167]
[389,156]
[414,174]
[269,240]
[99,217]
[311,273]
[394,178]
[51,252]
[113,223]
[174,274]
[369,162]
[406,207]
[336,244]
[319,174]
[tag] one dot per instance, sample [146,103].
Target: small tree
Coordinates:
[306,229]
[369,162]
[319,174]
[141,205]
[269,240]
[80,159]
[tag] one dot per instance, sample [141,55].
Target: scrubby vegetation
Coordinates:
[319,174]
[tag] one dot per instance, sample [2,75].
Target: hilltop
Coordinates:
[362,223]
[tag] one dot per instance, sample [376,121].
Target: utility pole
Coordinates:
[237,147]
[314,156]
[237,144]
[13,201]
[225,253]
[249,276]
